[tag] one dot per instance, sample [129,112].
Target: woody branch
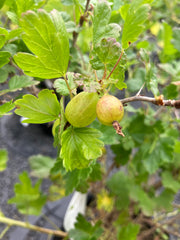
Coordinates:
[157,101]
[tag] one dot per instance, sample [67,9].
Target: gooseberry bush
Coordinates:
[111,75]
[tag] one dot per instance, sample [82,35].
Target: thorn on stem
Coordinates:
[138,93]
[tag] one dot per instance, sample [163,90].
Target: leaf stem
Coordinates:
[122,52]
[12,222]
[66,80]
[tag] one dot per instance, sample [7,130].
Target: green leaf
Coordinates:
[28,199]
[136,15]
[46,37]
[22,6]
[101,26]
[176,38]
[61,86]
[170,68]
[43,109]
[3,36]
[96,172]
[80,146]
[14,33]
[164,200]
[152,80]
[57,170]
[76,178]
[3,159]
[85,231]
[119,185]
[145,203]
[60,127]
[108,133]
[177,147]
[3,75]
[104,56]
[6,107]
[170,92]
[135,83]
[124,10]
[2,3]
[19,82]
[12,16]
[122,155]
[135,129]
[79,178]
[158,154]
[108,50]
[4,58]
[167,37]
[41,165]
[169,182]
[129,232]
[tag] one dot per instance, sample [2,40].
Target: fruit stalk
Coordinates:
[65,78]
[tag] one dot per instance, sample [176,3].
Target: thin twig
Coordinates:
[167,231]
[13,222]
[81,21]
[4,231]
[111,167]
[51,222]
[146,233]
[156,101]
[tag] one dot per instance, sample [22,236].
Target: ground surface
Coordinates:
[22,142]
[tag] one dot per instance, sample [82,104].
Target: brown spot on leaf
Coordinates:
[17,106]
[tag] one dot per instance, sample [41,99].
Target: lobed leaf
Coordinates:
[169,48]
[3,36]
[4,58]
[61,86]
[18,82]
[6,108]
[169,182]
[3,75]
[43,109]
[84,230]
[45,35]
[28,198]
[119,185]
[105,56]
[137,14]
[78,178]
[160,153]
[101,26]
[41,165]
[145,203]
[80,146]
[129,232]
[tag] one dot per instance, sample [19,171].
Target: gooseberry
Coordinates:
[109,109]
[81,110]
